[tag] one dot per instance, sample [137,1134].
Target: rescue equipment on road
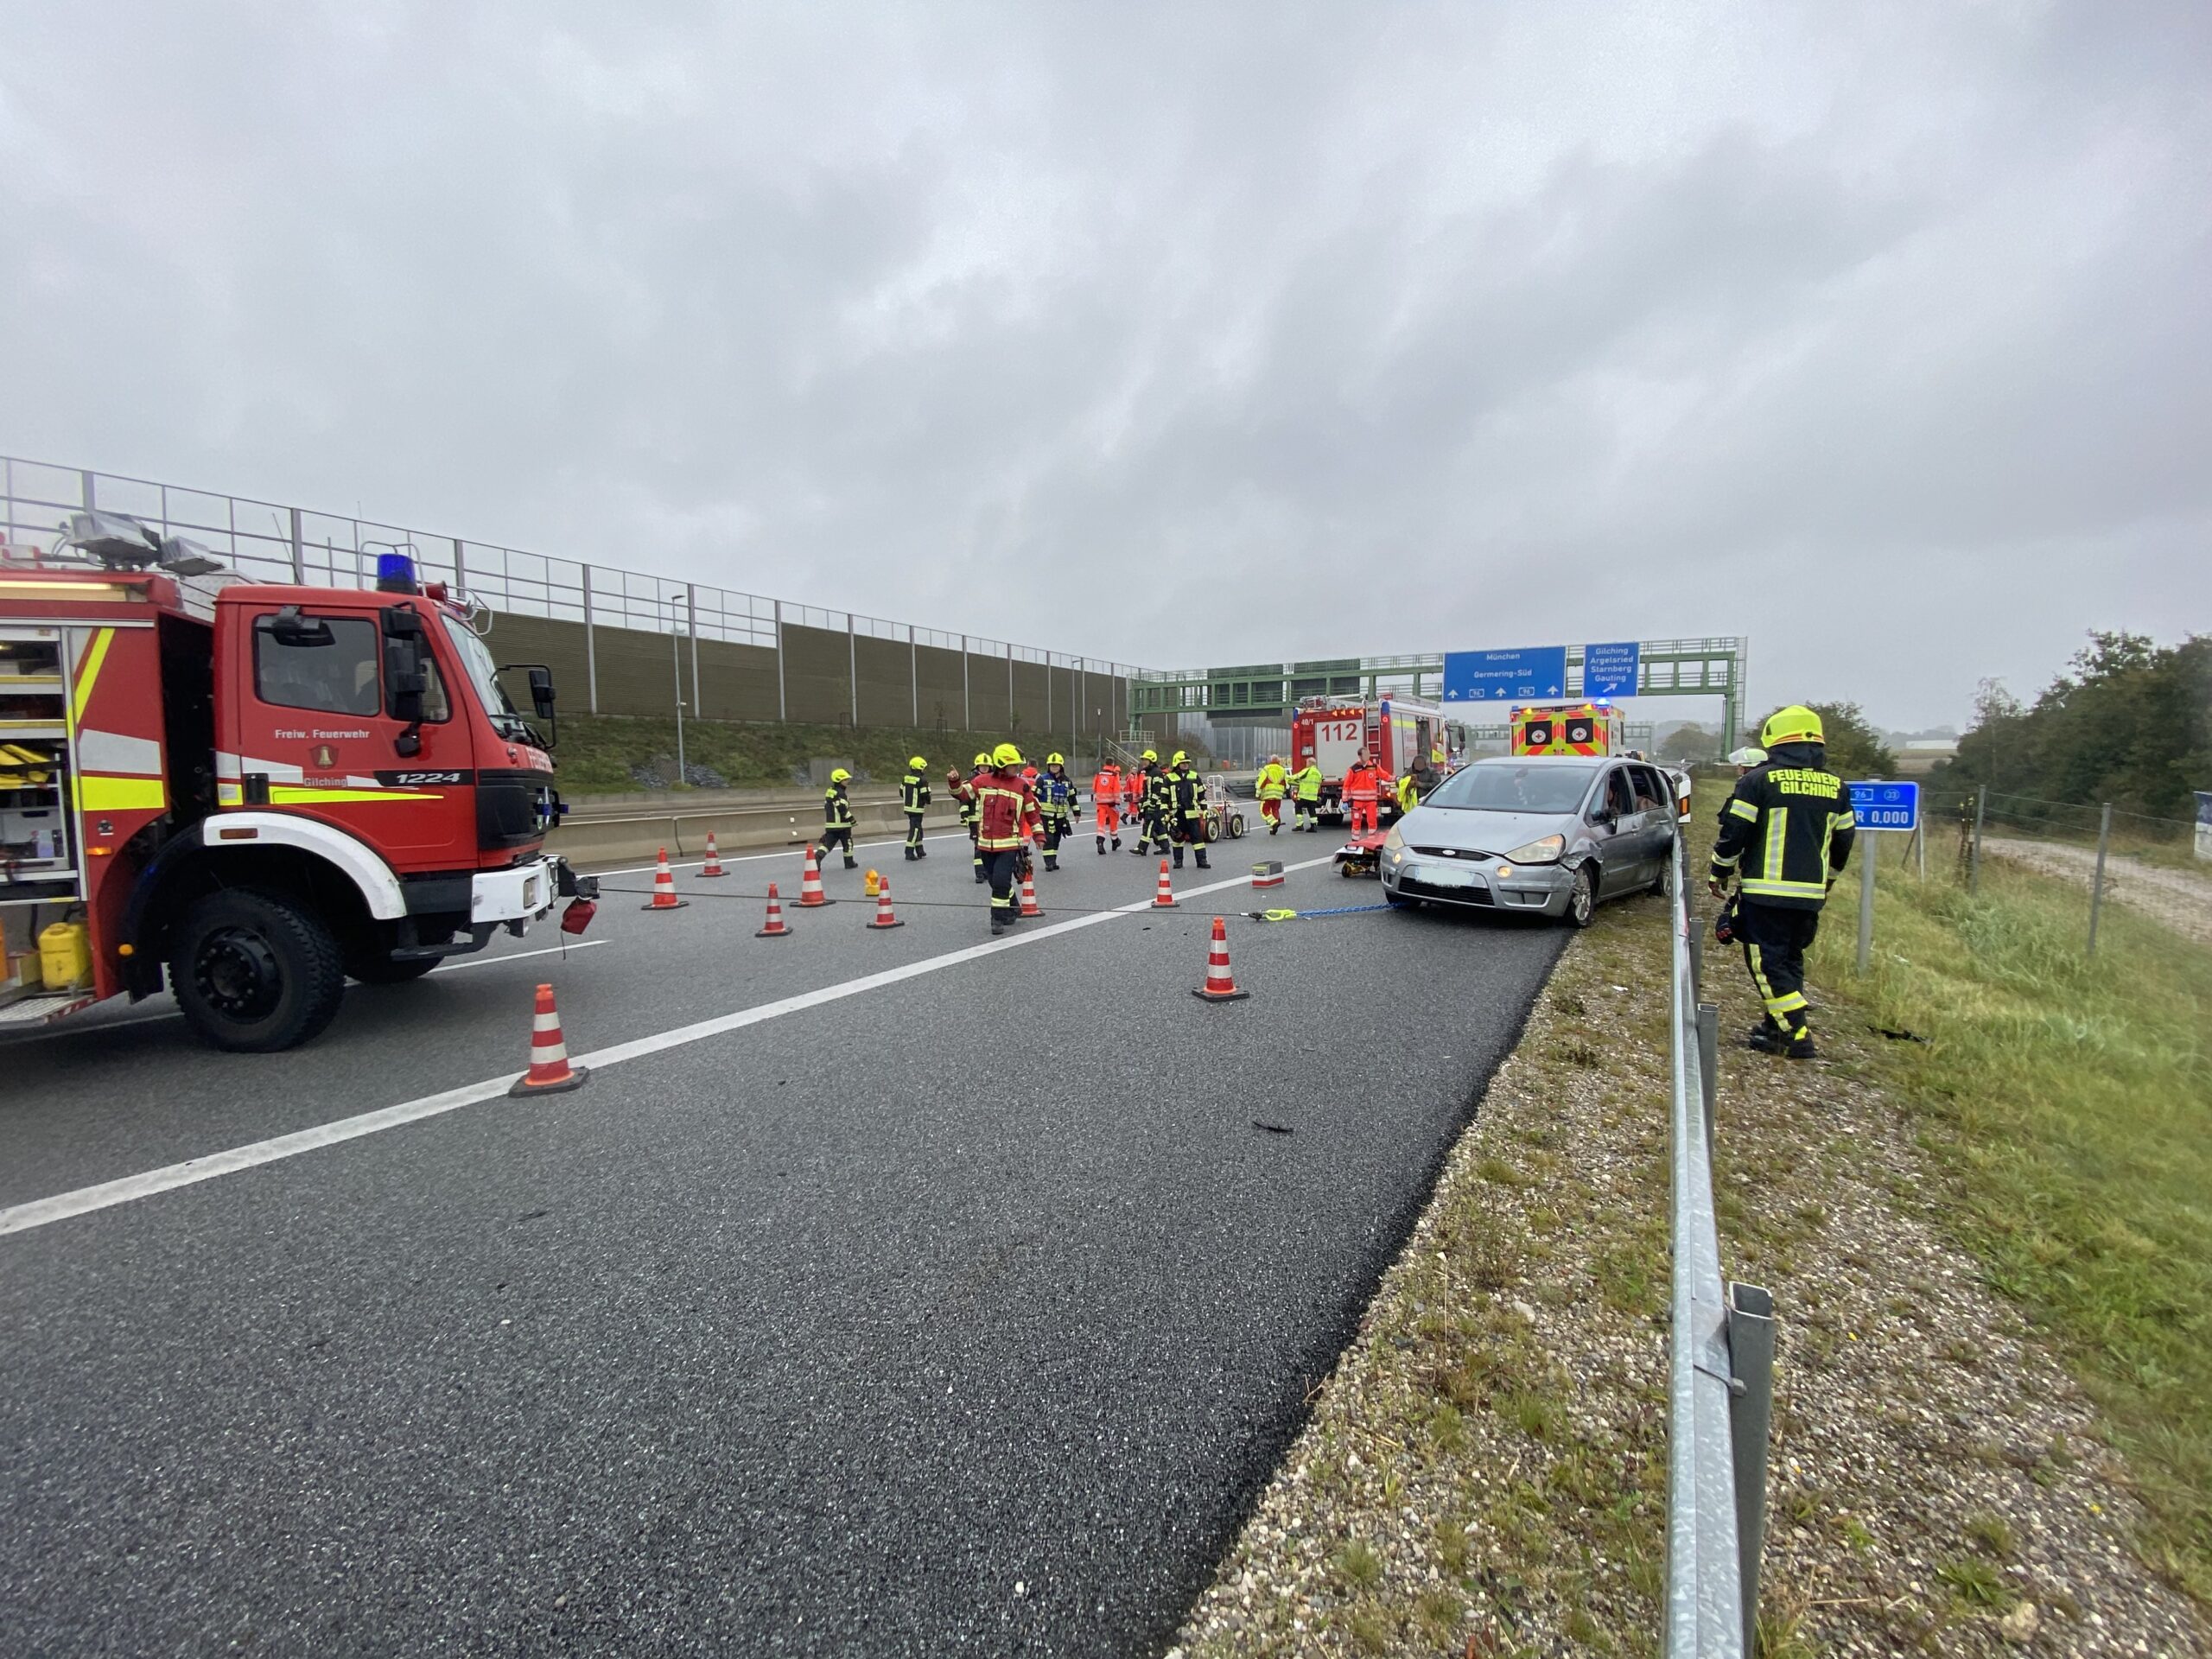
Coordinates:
[810,896]
[1219,986]
[714,864]
[549,1072]
[1267,874]
[870,882]
[883,916]
[1029,905]
[1163,897]
[664,887]
[775,928]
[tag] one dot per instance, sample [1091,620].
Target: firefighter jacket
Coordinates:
[1186,792]
[967,808]
[913,792]
[1271,782]
[1155,797]
[1787,830]
[1002,803]
[1307,781]
[1055,796]
[837,810]
[1359,784]
[1106,788]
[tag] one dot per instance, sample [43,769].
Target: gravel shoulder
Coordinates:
[2178,897]
[1483,1473]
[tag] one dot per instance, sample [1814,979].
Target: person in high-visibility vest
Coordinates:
[1187,801]
[837,817]
[1147,794]
[1274,782]
[1004,806]
[1306,783]
[1360,785]
[1106,805]
[970,812]
[914,800]
[1056,806]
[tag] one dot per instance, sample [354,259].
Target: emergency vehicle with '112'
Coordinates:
[258,792]
[1395,729]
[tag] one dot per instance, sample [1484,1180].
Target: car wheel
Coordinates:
[1664,887]
[1582,898]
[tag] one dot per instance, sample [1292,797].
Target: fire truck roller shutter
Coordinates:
[361,863]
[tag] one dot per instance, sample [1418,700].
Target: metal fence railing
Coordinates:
[1720,1381]
[267,540]
[2152,864]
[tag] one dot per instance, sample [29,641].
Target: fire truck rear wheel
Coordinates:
[253,972]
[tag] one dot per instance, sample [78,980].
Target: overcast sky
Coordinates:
[1177,334]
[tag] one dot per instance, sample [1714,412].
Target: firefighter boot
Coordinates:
[1051,862]
[1178,855]
[851,863]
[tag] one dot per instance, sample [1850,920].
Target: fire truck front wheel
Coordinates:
[254,972]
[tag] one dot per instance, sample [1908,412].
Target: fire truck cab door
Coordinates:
[313,728]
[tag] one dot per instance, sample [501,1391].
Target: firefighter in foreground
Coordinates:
[1106,805]
[1143,793]
[1056,806]
[1306,783]
[914,800]
[1785,835]
[837,817]
[1003,806]
[1187,803]
[1272,785]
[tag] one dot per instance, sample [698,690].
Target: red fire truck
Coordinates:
[259,795]
[1394,728]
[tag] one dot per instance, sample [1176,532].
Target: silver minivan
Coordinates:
[1549,834]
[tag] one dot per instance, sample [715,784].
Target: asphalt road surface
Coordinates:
[949,1300]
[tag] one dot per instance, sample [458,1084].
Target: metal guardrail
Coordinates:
[1721,1384]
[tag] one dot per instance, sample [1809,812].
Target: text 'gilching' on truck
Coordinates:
[262,795]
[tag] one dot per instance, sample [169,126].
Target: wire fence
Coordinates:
[268,541]
[2160,866]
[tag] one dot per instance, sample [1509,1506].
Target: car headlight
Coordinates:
[1545,850]
[1394,842]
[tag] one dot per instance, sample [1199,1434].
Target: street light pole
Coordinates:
[675,662]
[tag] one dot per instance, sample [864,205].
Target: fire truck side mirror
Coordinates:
[541,692]
[289,627]
[406,675]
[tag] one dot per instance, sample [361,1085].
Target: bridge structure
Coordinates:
[1267,692]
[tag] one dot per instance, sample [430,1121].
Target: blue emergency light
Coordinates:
[396,573]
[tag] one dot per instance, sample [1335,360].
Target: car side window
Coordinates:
[1618,797]
[1649,795]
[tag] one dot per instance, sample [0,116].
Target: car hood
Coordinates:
[1482,832]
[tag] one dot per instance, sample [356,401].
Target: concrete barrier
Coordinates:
[624,829]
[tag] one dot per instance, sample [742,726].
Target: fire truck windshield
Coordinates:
[484,674]
[1501,786]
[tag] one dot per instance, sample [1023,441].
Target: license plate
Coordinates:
[1446,875]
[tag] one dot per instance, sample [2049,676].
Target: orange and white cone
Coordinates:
[714,865]
[883,916]
[810,896]
[1164,898]
[1219,986]
[1029,905]
[549,1071]
[663,888]
[775,928]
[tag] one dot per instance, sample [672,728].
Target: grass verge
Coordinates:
[2070,1102]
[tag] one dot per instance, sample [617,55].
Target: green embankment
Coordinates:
[2072,1099]
[596,751]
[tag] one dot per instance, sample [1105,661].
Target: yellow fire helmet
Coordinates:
[1180,757]
[1151,755]
[1056,759]
[917,764]
[1007,755]
[982,763]
[841,776]
[1795,724]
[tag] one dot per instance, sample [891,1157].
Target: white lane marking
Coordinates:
[797,849]
[40,1212]
[64,1029]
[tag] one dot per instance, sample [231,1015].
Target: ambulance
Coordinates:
[1568,728]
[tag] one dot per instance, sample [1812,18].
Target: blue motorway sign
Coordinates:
[1610,670]
[1885,805]
[1504,676]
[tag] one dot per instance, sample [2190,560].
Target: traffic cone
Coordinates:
[1164,898]
[1219,986]
[714,864]
[663,888]
[883,916]
[775,928]
[810,896]
[1029,905]
[549,1071]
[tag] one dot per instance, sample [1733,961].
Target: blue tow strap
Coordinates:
[1307,915]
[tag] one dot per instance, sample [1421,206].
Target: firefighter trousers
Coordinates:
[1055,829]
[914,848]
[839,837]
[1155,830]
[998,869]
[1776,939]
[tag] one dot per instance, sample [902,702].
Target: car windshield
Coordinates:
[484,674]
[1508,788]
